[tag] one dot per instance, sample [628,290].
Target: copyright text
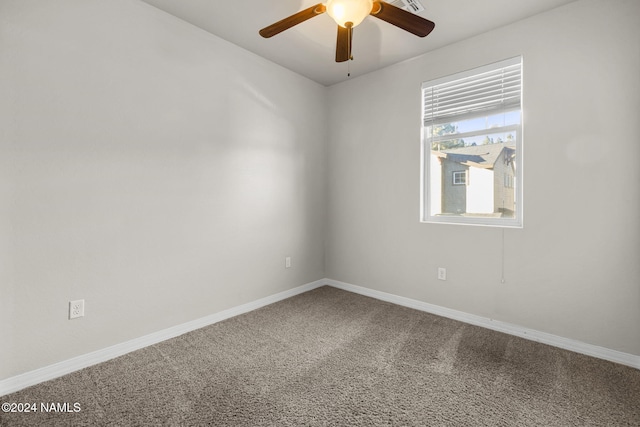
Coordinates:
[54,407]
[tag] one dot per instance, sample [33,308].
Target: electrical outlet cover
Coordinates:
[76,309]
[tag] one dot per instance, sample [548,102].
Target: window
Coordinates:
[459,177]
[472,147]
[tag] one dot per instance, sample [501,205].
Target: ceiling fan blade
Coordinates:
[343,46]
[292,20]
[401,18]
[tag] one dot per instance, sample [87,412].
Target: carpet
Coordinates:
[333,358]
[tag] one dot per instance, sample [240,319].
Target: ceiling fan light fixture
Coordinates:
[350,13]
[354,11]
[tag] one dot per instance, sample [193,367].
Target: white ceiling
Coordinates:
[309,48]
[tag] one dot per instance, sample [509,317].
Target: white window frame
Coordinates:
[457,174]
[425,190]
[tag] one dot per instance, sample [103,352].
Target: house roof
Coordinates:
[479,156]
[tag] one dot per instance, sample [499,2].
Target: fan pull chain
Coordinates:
[349,67]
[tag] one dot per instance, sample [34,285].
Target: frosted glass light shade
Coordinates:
[354,11]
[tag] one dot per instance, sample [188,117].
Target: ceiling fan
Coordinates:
[350,13]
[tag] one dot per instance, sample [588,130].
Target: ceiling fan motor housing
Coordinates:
[343,11]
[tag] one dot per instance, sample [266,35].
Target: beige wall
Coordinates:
[573,269]
[148,167]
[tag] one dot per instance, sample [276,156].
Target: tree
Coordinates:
[444,130]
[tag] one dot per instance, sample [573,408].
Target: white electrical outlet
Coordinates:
[287,262]
[442,273]
[76,309]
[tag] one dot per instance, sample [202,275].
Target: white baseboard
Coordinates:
[46,373]
[19,382]
[496,325]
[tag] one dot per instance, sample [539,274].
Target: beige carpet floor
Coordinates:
[333,358]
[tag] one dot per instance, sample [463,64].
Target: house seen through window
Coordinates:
[472,146]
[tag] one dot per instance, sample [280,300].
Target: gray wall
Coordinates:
[573,269]
[504,197]
[454,197]
[163,174]
[154,170]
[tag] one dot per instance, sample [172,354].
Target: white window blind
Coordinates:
[494,87]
